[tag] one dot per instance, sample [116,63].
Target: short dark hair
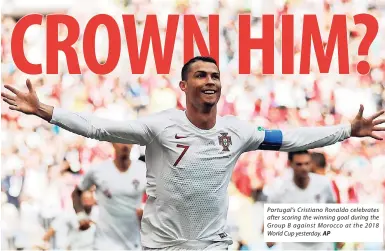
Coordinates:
[292,154]
[319,159]
[186,67]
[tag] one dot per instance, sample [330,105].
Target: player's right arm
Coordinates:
[85,184]
[84,220]
[129,132]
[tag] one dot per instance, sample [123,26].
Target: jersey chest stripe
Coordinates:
[272,140]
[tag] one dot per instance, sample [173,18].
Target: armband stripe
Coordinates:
[272,140]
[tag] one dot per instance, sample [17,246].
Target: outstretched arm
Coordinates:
[314,137]
[129,132]
[305,138]
[27,102]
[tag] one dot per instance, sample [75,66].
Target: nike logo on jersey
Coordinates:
[179,137]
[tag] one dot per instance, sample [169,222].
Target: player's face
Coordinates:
[122,151]
[301,165]
[88,200]
[203,85]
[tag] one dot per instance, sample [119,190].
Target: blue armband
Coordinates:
[272,140]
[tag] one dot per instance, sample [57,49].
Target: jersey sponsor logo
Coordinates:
[261,129]
[225,141]
[135,183]
[222,235]
[180,137]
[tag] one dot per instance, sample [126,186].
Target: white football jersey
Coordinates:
[67,224]
[189,169]
[118,195]
[319,190]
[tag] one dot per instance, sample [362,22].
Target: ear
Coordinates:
[183,85]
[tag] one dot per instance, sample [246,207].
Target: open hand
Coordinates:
[365,127]
[25,102]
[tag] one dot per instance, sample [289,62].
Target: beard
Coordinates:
[208,103]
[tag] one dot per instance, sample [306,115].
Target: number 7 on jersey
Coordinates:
[182,154]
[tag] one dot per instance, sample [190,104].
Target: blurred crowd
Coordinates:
[42,163]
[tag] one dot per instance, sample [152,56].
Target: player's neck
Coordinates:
[122,165]
[203,119]
[302,182]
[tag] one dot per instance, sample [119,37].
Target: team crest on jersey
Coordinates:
[225,141]
[135,183]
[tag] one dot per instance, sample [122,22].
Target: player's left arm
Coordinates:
[305,138]
[314,137]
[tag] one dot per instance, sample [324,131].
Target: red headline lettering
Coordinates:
[192,35]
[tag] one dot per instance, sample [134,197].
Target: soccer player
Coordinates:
[319,167]
[120,184]
[190,154]
[68,225]
[304,187]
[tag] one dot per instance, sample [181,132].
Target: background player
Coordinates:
[304,187]
[190,154]
[120,185]
[68,225]
[319,167]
